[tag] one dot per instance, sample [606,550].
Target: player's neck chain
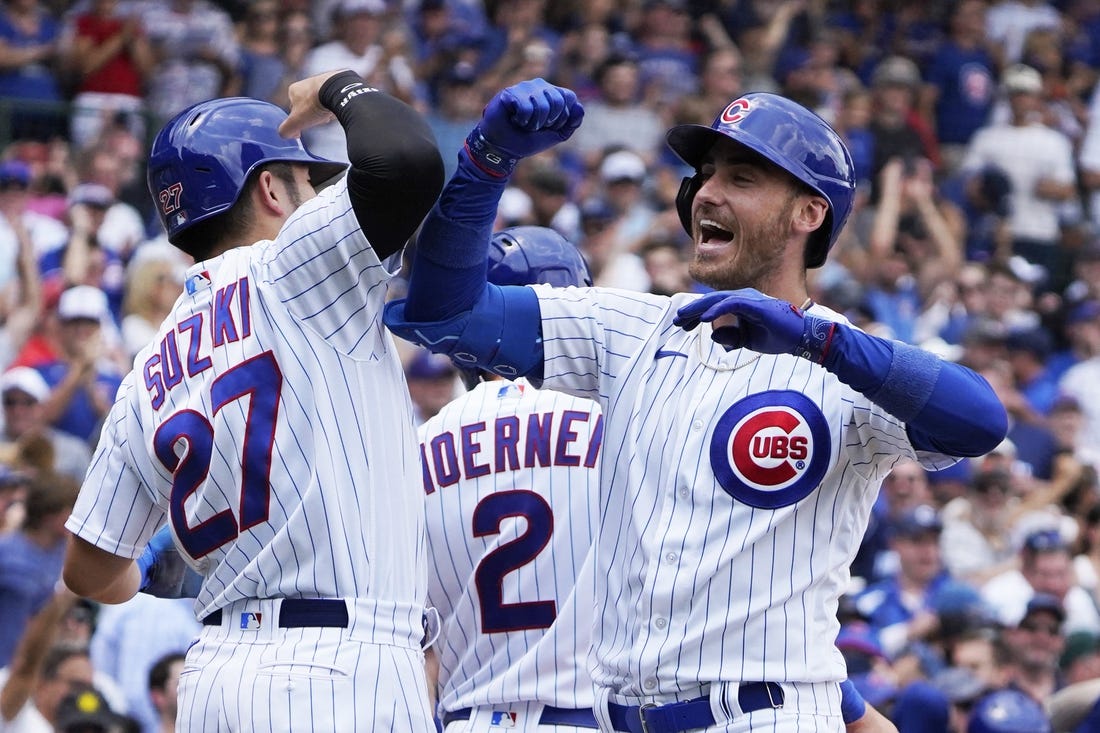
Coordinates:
[704,338]
[704,335]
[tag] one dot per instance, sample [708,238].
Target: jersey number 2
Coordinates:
[496,615]
[261,381]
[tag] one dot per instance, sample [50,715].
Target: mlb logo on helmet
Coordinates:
[771,449]
[504,719]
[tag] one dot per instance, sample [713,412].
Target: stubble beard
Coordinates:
[753,259]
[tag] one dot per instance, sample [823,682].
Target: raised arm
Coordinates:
[396,170]
[450,307]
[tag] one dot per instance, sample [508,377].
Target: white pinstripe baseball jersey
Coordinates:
[271,421]
[735,490]
[510,476]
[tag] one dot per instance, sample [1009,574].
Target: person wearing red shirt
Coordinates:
[110,57]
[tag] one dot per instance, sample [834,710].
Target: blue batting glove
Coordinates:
[852,705]
[164,573]
[520,121]
[762,323]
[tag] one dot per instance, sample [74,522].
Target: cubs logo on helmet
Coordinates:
[771,449]
[735,112]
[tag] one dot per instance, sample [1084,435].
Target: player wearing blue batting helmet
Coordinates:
[1007,711]
[201,160]
[789,136]
[531,255]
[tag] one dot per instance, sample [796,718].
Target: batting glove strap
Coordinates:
[491,159]
[817,338]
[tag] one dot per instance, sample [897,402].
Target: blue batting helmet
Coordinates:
[790,136]
[201,159]
[1007,711]
[530,255]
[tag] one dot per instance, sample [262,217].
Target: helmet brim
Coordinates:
[691,142]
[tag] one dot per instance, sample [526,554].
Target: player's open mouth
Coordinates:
[711,233]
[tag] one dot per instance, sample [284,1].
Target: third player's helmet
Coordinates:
[1007,711]
[201,160]
[790,136]
[531,255]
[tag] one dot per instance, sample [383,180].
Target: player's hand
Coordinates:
[520,121]
[305,104]
[164,573]
[749,319]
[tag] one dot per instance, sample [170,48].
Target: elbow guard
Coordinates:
[501,334]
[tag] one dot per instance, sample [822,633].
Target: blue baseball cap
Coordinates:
[1048,603]
[15,171]
[860,638]
[1045,540]
[426,365]
[919,521]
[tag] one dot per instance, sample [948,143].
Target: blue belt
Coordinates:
[551,715]
[297,613]
[690,714]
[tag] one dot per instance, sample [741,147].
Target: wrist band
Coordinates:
[488,157]
[816,339]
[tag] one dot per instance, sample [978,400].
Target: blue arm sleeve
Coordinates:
[451,308]
[449,262]
[947,408]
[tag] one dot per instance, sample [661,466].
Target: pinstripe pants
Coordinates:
[302,680]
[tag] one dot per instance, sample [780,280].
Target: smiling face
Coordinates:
[750,220]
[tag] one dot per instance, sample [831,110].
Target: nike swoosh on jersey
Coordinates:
[662,353]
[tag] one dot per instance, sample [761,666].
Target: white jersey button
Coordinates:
[650,683]
[684,492]
[671,557]
[660,623]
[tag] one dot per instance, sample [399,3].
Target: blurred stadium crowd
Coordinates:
[975,129]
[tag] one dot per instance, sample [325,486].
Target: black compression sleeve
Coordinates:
[396,170]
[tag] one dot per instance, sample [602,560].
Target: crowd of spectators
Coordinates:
[974,127]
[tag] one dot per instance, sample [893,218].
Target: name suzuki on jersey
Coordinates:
[185,350]
[509,444]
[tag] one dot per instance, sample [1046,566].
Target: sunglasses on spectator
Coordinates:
[19,402]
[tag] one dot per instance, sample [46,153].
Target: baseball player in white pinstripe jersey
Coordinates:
[745,431]
[510,477]
[269,421]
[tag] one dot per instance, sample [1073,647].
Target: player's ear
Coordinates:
[809,213]
[271,195]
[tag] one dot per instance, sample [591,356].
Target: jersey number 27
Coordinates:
[260,380]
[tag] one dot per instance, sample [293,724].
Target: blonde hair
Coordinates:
[143,278]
